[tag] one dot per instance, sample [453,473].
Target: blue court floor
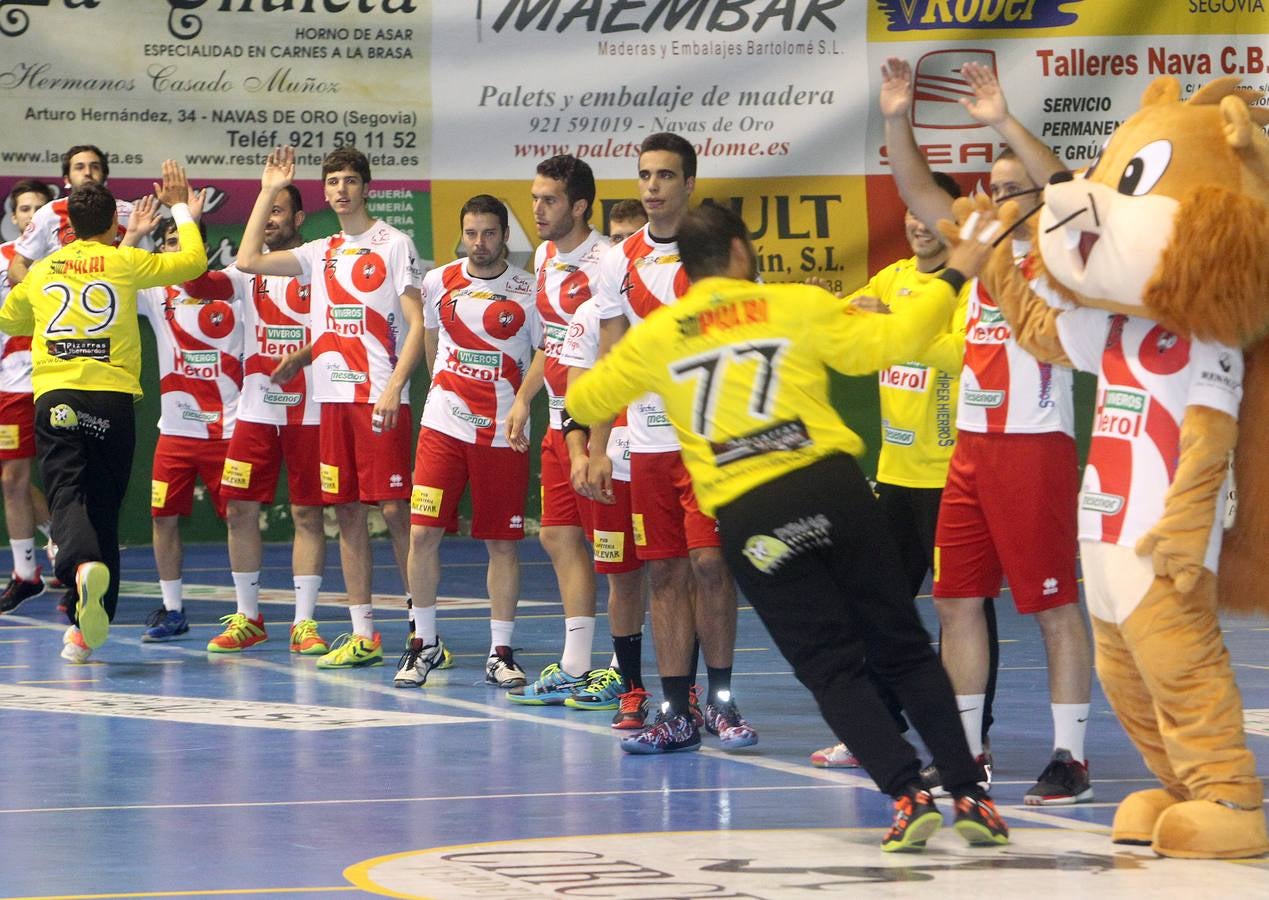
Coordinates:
[162,771]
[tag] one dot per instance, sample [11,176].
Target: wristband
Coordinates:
[955,278]
[568,423]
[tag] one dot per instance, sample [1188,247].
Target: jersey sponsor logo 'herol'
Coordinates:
[926,15]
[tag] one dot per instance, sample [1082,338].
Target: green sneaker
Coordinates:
[602,689]
[352,651]
[92,580]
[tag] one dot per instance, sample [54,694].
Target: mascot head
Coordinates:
[1172,221]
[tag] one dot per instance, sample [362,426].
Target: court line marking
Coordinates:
[190,893]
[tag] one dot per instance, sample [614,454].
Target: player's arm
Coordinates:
[388,406]
[858,345]
[291,364]
[190,261]
[912,174]
[988,106]
[517,427]
[18,267]
[947,350]
[143,220]
[16,317]
[279,171]
[577,443]
[619,377]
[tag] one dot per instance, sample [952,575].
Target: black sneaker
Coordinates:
[978,821]
[1064,781]
[916,819]
[19,591]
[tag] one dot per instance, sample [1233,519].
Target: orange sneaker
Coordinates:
[306,640]
[239,634]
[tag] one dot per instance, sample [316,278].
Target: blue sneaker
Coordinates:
[165,625]
[602,689]
[552,688]
[668,734]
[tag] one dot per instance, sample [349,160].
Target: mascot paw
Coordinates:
[1137,814]
[1204,829]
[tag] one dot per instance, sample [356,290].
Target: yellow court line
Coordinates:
[16,641]
[191,893]
[15,667]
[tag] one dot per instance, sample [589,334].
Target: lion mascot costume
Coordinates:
[1163,247]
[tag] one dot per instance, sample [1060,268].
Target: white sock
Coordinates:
[612,663]
[171,594]
[579,635]
[1070,721]
[500,632]
[307,588]
[247,590]
[363,620]
[971,710]
[24,558]
[409,611]
[425,624]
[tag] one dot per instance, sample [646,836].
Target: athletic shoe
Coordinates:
[73,647]
[916,819]
[92,580]
[552,688]
[632,710]
[502,669]
[601,691]
[733,730]
[68,600]
[978,821]
[837,756]
[19,590]
[1064,781]
[352,651]
[933,781]
[418,661]
[694,706]
[668,734]
[164,625]
[306,641]
[239,634]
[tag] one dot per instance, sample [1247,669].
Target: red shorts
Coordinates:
[177,460]
[254,462]
[358,463]
[561,505]
[499,477]
[17,426]
[613,533]
[666,520]
[1009,509]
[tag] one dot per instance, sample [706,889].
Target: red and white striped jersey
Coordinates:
[15,351]
[581,351]
[637,278]
[50,229]
[1146,377]
[488,330]
[356,282]
[565,281]
[1004,389]
[200,361]
[275,322]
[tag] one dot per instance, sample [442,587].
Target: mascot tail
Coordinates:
[1245,551]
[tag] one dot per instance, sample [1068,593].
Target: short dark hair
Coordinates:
[705,236]
[579,180]
[91,208]
[627,211]
[85,148]
[485,203]
[29,186]
[668,141]
[167,223]
[947,183]
[297,202]
[346,158]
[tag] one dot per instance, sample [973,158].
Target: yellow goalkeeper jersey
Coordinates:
[742,370]
[79,304]
[918,396]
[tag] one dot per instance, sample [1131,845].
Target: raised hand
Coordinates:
[175,186]
[896,88]
[197,200]
[144,218]
[279,169]
[988,103]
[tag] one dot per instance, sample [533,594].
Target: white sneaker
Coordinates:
[418,661]
[932,781]
[837,756]
[73,647]
[503,670]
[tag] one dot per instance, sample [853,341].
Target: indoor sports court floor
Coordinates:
[162,771]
